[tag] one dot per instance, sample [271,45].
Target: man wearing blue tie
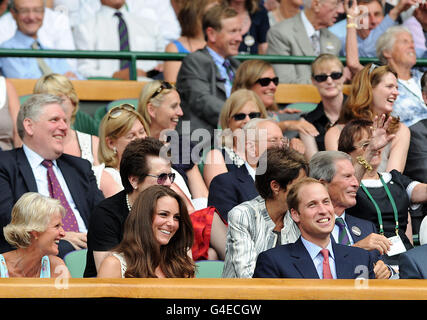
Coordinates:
[314,255]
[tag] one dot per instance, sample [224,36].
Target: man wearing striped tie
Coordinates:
[116,28]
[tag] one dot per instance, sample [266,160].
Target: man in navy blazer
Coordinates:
[314,255]
[336,171]
[230,189]
[413,263]
[42,126]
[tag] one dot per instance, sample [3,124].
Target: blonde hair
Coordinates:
[146,97]
[58,85]
[248,73]
[234,104]
[32,212]
[114,128]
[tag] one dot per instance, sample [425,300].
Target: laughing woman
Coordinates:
[35,230]
[157,236]
[373,93]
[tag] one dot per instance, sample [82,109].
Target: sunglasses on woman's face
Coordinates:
[117,111]
[242,116]
[161,178]
[323,77]
[266,81]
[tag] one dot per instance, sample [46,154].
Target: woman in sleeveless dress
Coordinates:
[35,230]
[157,238]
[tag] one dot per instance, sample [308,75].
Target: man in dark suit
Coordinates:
[413,263]
[204,80]
[314,255]
[336,171]
[42,126]
[230,189]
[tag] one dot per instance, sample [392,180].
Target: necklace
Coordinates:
[127,202]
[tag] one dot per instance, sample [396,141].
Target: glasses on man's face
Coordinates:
[117,111]
[323,77]
[27,11]
[266,81]
[242,116]
[163,85]
[161,178]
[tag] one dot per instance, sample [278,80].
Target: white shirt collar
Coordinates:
[251,170]
[308,26]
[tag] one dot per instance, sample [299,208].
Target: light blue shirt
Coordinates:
[367,46]
[317,257]
[219,61]
[28,68]
[40,174]
[336,230]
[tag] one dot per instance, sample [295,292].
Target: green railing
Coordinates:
[134,56]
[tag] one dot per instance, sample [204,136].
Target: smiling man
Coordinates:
[206,76]
[41,166]
[314,255]
[336,171]
[29,18]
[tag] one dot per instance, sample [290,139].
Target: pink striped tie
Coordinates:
[326,268]
[55,191]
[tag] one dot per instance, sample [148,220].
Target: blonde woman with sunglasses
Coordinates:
[160,106]
[118,127]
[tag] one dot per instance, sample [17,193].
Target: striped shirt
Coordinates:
[250,232]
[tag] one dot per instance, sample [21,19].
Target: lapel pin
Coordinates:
[356,231]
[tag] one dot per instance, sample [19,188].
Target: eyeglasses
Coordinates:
[163,85]
[266,81]
[26,11]
[117,111]
[363,145]
[161,178]
[242,116]
[372,67]
[323,77]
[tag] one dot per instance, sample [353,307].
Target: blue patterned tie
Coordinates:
[230,73]
[342,235]
[124,39]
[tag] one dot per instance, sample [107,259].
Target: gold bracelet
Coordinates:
[350,17]
[362,161]
[351,25]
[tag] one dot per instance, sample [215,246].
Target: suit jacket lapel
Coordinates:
[342,267]
[26,171]
[216,79]
[302,261]
[301,37]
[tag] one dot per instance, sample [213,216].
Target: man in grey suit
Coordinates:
[205,79]
[305,34]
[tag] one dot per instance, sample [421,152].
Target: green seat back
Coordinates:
[76,262]
[209,268]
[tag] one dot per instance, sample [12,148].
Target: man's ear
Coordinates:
[211,34]
[28,126]
[295,215]
[275,187]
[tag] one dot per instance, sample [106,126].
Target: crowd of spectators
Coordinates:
[207,165]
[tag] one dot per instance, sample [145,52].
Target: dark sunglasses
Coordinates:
[242,116]
[323,77]
[163,85]
[161,178]
[117,111]
[266,81]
